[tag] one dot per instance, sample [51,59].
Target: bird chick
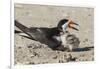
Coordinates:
[70,41]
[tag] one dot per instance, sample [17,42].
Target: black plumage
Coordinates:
[48,36]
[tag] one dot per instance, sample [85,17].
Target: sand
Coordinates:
[28,51]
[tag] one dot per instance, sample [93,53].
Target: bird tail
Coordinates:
[23,28]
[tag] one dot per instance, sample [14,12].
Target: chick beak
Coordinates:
[71,25]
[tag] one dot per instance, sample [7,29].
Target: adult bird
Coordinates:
[48,36]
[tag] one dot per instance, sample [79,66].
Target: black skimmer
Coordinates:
[48,36]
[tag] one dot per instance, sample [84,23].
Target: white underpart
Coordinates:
[23,34]
[57,38]
[63,39]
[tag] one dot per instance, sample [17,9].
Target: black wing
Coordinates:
[43,35]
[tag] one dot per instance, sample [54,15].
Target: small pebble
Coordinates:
[29,46]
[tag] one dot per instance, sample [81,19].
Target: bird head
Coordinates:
[64,24]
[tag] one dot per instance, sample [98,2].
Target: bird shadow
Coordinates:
[82,49]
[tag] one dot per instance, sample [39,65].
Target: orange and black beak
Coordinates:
[72,25]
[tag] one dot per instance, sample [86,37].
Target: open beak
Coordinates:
[72,25]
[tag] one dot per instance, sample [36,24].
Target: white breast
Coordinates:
[63,39]
[58,38]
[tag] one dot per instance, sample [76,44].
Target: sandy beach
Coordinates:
[28,51]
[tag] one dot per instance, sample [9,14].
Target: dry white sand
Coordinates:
[33,52]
